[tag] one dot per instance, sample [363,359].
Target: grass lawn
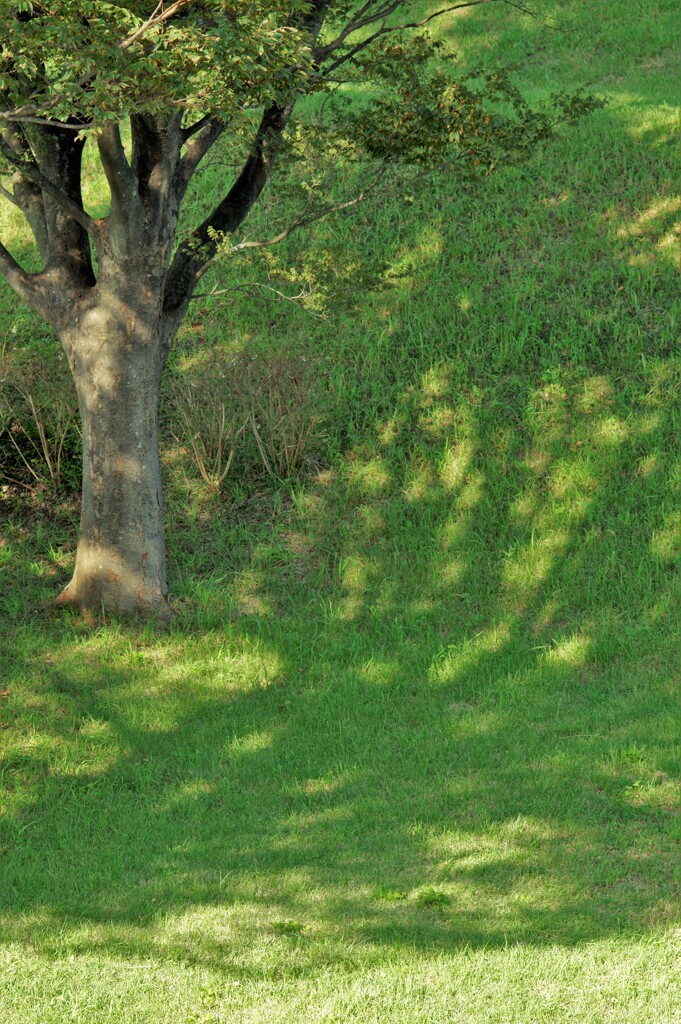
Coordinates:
[411,750]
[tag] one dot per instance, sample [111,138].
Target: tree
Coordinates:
[156,89]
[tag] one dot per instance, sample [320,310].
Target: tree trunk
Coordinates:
[116,356]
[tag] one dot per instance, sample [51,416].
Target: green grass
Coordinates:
[411,751]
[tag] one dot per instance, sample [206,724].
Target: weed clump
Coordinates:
[217,399]
[40,444]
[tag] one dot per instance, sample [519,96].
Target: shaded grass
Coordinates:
[411,750]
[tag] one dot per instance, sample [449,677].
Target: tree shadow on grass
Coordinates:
[486,710]
[434,705]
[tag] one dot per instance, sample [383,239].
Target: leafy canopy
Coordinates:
[88,62]
[104,61]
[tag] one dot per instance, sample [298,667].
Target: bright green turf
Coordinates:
[411,751]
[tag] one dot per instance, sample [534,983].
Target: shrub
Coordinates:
[39,425]
[213,395]
[285,406]
[206,411]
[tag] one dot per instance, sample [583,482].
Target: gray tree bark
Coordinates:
[116,351]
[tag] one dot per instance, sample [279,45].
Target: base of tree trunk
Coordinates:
[94,599]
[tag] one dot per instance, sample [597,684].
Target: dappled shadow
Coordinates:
[488,711]
[429,699]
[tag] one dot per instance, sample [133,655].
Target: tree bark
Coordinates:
[116,353]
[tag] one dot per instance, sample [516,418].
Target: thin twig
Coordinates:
[304,221]
[160,15]
[247,288]
[386,29]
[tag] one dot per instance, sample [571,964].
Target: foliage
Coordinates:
[97,60]
[79,63]
[432,899]
[214,393]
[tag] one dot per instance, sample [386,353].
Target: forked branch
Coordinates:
[322,52]
[160,14]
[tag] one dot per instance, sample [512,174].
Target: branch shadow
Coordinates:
[450,665]
[463,724]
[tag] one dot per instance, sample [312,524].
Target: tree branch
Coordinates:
[17,278]
[211,128]
[247,288]
[386,29]
[304,219]
[160,15]
[196,252]
[9,196]
[357,22]
[34,112]
[324,51]
[191,130]
[120,178]
[27,196]
[29,169]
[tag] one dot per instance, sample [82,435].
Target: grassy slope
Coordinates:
[412,751]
